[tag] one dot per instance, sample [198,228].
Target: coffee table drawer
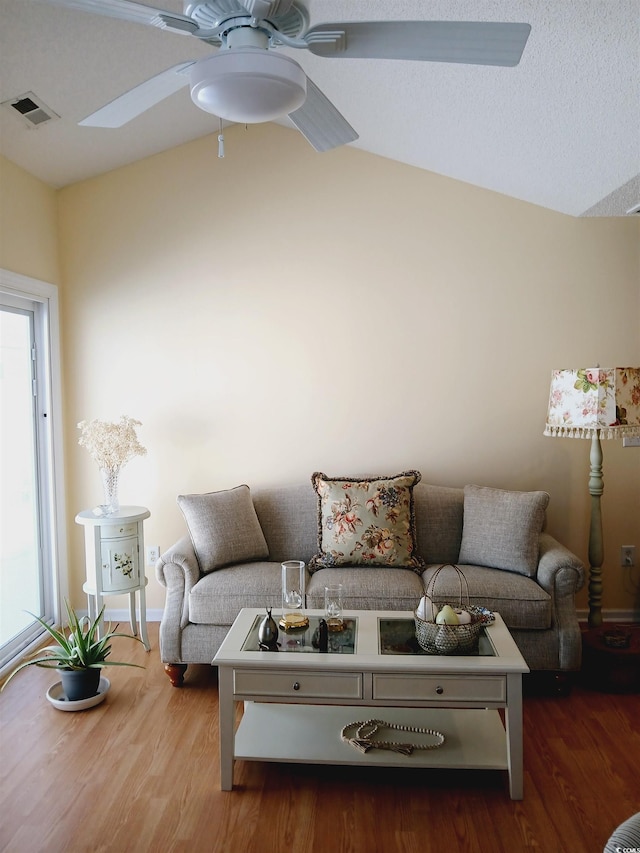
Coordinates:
[330,685]
[437,687]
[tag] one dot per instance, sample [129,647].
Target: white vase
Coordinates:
[110,484]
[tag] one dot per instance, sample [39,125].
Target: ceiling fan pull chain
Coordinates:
[220,142]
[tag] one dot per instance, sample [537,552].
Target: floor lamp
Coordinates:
[595,403]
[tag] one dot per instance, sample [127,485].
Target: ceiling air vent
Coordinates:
[31,109]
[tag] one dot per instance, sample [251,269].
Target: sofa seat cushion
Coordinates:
[367,589]
[217,598]
[520,601]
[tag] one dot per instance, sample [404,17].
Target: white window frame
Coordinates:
[50,437]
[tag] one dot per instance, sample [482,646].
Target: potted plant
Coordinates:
[79,655]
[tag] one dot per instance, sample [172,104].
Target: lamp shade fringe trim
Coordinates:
[589,432]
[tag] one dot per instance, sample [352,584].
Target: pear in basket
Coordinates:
[447,616]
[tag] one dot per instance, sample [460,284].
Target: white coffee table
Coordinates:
[296,702]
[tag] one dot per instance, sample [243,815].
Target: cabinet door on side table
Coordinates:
[120,564]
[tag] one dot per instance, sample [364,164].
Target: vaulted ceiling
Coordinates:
[560,130]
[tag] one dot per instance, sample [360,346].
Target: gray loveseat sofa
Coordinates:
[238,539]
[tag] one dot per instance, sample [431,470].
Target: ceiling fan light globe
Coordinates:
[248,86]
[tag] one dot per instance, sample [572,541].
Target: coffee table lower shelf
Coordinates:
[474,738]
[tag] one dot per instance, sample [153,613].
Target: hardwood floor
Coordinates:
[140,773]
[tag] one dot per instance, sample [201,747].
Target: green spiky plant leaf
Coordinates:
[78,648]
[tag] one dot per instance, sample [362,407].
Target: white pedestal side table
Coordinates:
[114,561]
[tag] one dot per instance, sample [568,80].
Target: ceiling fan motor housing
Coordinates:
[248,85]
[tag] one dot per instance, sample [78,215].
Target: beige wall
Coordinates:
[28,224]
[280,312]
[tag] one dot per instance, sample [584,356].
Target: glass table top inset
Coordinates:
[305,640]
[398,637]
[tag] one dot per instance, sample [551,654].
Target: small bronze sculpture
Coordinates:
[268,633]
[323,636]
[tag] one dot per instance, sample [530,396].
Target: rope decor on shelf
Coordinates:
[366,729]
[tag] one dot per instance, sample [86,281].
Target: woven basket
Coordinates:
[452,639]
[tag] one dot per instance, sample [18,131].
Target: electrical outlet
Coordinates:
[153,554]
[628,555]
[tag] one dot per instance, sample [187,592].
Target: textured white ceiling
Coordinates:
[561,130]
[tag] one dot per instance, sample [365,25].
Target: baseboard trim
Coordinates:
[122,614]
[612,615]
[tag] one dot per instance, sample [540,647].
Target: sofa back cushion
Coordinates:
[287,516]
[224,528]
[439,516]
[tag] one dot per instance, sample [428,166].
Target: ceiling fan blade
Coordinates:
[138,12]
[468,42]
[139,99]
[320,122]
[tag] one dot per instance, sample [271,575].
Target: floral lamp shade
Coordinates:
[594,401]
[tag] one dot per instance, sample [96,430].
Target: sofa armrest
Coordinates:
[178,571]
[560,572]
[182,555]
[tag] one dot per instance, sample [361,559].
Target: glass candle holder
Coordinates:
[293,591]
[333,607]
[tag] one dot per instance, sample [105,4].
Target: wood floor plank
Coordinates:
[140,773]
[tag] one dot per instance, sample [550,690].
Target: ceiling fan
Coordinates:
[248,81]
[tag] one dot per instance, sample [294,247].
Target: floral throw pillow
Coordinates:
[366,522]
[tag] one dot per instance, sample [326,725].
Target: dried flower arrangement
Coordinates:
[111,444]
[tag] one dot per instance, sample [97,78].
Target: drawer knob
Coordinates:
[439,690]
[296,685]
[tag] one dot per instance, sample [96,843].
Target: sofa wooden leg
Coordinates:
[176,672]
[563,683]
